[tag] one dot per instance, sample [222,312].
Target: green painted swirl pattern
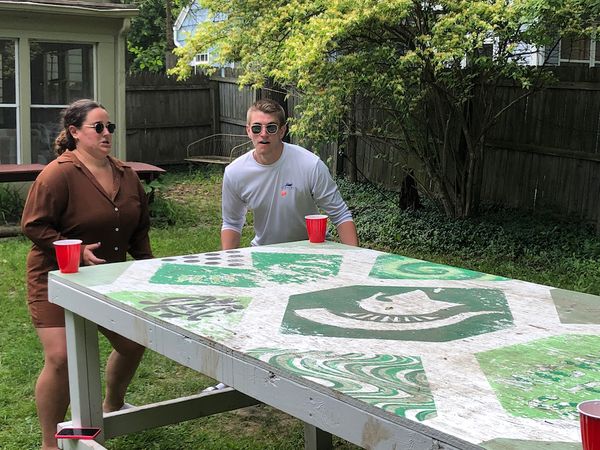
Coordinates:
[396,384]
[401,267]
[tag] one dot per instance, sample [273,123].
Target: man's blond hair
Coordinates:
[267,106]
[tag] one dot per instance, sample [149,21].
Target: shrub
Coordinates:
[11,204]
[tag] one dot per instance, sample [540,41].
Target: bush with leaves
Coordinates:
[147,38]
[11,205]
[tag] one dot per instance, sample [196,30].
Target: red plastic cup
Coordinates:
[67,254]
[589,419]
[316,225]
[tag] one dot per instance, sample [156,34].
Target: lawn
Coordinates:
[186,219]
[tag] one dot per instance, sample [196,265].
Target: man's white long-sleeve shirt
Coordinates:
[280,195]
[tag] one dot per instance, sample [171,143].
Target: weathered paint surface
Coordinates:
[575,307]
[395,266]
[188,274]
[101,275]
[266,268]
[296,268]
[493,361]
[545,379]
[213,316]
[394,383]
[407,313]
[512,444]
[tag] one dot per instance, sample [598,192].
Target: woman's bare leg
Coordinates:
[52,387]
[120,368]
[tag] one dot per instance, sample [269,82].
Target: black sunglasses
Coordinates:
[99,127]
[271,128]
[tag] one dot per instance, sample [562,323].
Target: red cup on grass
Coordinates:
[589,419]
[316,225]
[67,254]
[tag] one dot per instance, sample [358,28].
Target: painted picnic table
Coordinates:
[382,350]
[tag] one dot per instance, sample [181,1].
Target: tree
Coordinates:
[419,69]
[150,39]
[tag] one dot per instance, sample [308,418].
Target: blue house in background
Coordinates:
[185,26]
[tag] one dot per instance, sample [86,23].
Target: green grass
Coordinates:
[20,351]
[186,219]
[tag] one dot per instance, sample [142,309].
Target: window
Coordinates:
[575,49]
[8,103]
[202,58]
[60,73]
[578,50]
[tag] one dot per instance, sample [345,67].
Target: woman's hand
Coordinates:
[89,259]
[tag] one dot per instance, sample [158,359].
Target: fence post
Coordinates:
[215,101]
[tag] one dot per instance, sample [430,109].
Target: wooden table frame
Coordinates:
[252,381]
[10,173]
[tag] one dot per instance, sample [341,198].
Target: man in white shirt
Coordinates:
[281,183]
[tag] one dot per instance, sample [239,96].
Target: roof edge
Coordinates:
[83,8]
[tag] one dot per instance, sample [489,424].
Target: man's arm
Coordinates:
[328,198]
[233,212]
[347,232]
[230,239]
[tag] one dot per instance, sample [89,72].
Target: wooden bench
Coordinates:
[218,148]
[29,172]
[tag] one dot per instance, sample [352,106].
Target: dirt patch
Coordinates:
[260,419]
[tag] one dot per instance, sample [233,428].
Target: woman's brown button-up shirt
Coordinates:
[66,202]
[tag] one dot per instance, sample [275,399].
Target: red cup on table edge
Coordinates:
[68,254]
[316,225]
[589,419]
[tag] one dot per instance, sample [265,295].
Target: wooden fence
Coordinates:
[164,116]
[233,104]
[544,154]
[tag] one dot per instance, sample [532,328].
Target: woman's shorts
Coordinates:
[45,314]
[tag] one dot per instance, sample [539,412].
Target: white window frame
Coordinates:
[592,61]
[202,58]
[33,106]
[15,105]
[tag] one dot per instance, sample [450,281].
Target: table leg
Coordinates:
[316,439]
[84,372]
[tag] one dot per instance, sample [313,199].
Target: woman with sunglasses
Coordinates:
[83,194]
[281,183]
